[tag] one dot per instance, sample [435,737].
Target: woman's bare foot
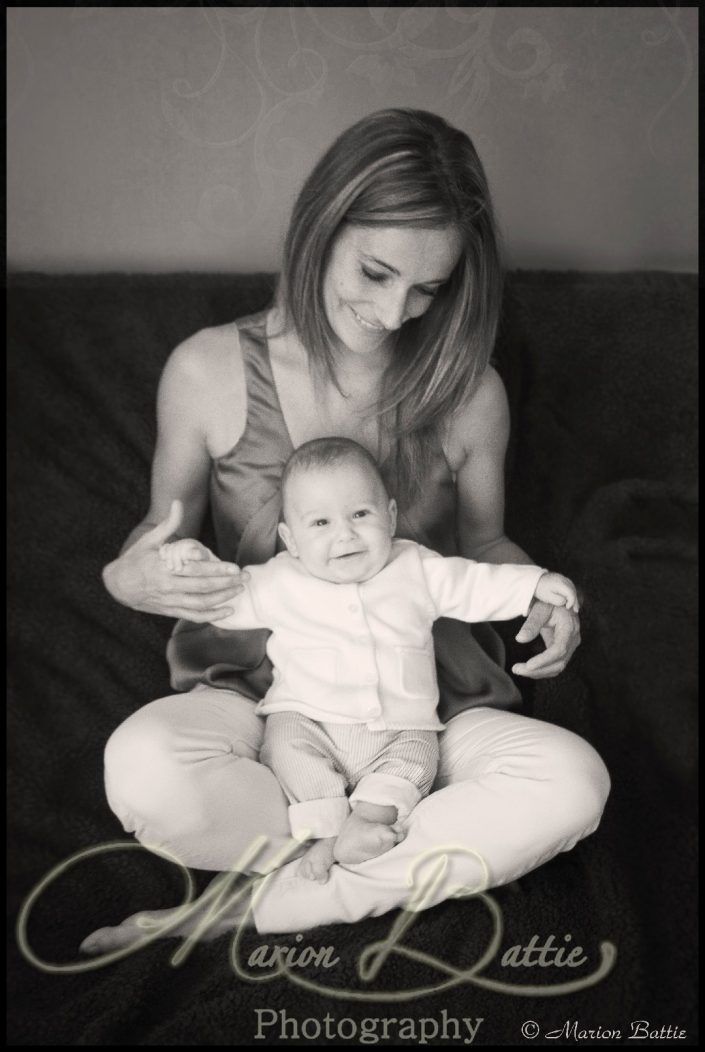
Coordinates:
[134,929]
[361,839]
[316,863]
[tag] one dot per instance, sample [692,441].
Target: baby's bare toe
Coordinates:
[388,839]
[310,869]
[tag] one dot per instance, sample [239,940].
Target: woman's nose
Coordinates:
[392,309]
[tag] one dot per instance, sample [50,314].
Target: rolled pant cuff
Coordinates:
[318,818]
[386,789]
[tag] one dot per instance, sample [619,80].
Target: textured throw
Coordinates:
[601,372]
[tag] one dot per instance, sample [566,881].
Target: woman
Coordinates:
[382,330]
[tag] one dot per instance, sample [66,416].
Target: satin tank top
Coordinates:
[245,509]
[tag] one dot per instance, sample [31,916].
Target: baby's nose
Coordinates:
[346,529]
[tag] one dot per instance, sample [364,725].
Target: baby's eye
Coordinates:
[359,514]
[320,522]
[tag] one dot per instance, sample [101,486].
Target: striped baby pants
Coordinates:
[316,763]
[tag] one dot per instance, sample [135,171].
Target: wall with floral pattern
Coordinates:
[176,137]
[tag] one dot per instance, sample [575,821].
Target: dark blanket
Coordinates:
[600,371]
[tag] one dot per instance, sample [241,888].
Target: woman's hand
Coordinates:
[560,631]
[140,579]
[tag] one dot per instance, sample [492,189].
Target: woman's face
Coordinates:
[379,277]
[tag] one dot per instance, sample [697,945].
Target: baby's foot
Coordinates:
[360,840]
[316,863]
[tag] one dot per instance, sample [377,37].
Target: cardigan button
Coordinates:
[353,608]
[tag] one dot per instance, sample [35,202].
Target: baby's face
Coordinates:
[339,522]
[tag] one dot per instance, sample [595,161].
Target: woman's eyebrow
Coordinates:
[388,266]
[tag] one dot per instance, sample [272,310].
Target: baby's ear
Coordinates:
[393,516]
[286,535]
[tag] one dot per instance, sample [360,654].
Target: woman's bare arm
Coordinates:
[476,448]
[188,396]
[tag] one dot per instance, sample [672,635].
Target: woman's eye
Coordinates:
[429,293]
[373,277]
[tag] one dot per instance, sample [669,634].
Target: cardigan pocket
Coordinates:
[311,672]
[416,672]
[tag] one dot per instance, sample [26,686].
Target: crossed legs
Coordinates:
[511,792]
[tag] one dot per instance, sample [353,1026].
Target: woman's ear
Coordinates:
[392,516]
[287,536]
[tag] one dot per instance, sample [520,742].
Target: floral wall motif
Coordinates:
[176,138]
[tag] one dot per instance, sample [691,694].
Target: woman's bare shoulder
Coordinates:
[206,371]
[481,421]
[205,355]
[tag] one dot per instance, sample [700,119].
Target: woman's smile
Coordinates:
[367,325]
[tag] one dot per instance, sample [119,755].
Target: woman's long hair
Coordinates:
[402,167]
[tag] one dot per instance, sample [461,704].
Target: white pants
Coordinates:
[182,774]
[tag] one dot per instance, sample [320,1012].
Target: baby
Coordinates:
[353,700]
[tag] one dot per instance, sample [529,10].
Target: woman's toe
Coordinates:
[104,940]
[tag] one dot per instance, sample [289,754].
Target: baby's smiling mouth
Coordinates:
[348,555]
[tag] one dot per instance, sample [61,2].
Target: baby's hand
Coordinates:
[177,553]
[558,590]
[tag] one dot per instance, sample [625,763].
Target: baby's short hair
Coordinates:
[327,452]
